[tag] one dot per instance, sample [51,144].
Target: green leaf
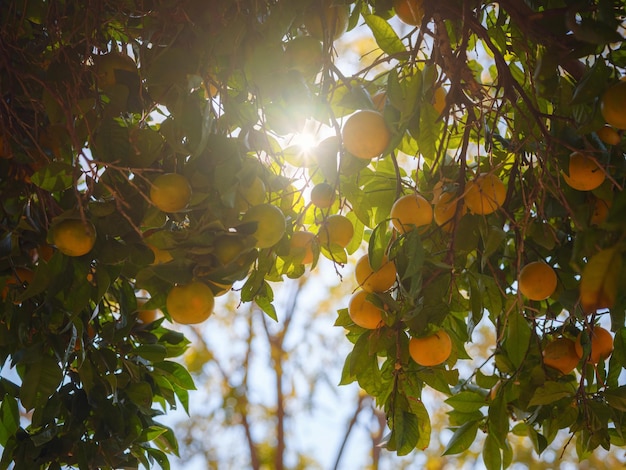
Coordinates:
[57,176]
[616,397]
[491,453]
[385,36]
[176,374]
[551,392]
[40,381]
[462,438]
[467,401]
[517,338]
[9,418]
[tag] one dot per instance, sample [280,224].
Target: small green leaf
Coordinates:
[385,36]
[9,418]
[462,438]
[57,176]
[491,453]
[467,401]
[517,338]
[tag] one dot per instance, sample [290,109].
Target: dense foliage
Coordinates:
[493,113]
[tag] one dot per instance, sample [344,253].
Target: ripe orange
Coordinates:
[336,230]
[304,54]
[429,351]
[485,194]
[600,211]
[613,105]
[18,277]
[365,134]
[410,12]
[561,354]
[170,192]
[160,256]
[608,135]
[445,210]
[191,303]
[410,212]
[584,173]
[270,224]
[301,244]
[227,248]
[145,316]
[601,345]
[363,312]
[537,280]
[74,237]
[323,195]
[375,281]
[325,20]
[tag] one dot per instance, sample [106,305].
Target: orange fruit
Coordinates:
[170,192]
[336,230]
[537,280]
[304,54]
[485,194]
[375,281]
[191,303]
[584,173]
[363,312]
[365,134]
[613,105]
[445,210]
[270,224]
[439,99]
[227,248]
[561,354]
[410,12]
[601,345]
[411,211]
[160,256]
[600,211]
[19,277]
[301,245]
[323,195]
[73,237]
[145,316]
[432,350]
[609,136]
[326,20]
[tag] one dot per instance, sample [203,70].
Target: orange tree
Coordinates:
[100,101]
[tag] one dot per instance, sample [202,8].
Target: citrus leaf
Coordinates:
[491,453]
[466,401]
[9,419]
[462,438]
[385,36]
[550,392]
[599,280]
[517,338]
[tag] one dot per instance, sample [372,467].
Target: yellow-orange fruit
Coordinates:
[584,173]
[191,303]
[429,351]
[336,230]
[410,212]
[537,280]
[613,105]
[323,195]
[601,345]
[363,312]
[375,281]
[73,237]
[365,134]
[609,136]
[170,192]
[410,12]
[561,354]
[301,244]
[485,194]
